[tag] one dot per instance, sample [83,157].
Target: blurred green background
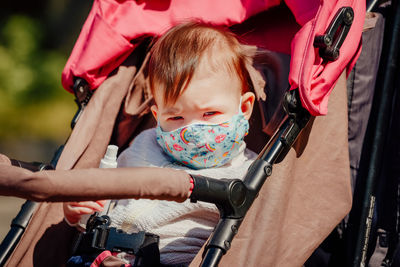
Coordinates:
[36,38]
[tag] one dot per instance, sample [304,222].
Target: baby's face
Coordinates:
[211,97]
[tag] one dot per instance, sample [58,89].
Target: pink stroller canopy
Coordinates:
[113,30]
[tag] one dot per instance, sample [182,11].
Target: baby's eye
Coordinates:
[210,113]
[175,118]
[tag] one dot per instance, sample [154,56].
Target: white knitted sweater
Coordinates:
[183,227]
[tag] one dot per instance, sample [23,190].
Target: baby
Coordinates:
[203,102]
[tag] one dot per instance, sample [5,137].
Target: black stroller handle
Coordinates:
[32,166]
[234,197]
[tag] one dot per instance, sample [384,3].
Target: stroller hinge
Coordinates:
[329,43]
[82,96]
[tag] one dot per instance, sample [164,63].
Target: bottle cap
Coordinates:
[111,152]
[110,158]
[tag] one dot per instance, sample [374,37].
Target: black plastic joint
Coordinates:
[329,43]
[209,189]
[83,94]
[222,239]
[228,194]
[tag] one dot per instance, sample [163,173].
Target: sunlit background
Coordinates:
[36,38]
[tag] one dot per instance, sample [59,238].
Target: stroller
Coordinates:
[307,186]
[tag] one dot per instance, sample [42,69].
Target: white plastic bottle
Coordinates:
[110,158]
[108,161]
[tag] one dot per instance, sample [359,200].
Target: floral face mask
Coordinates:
[205,145]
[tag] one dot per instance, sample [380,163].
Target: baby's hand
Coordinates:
[73,211]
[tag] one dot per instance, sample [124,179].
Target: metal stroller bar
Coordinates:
[18,226]
[373,149]
[234,197]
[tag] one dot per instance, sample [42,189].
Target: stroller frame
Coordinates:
[358,233]
[235,196]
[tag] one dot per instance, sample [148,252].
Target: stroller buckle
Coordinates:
[118,241]
[100,236]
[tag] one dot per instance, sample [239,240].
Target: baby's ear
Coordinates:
[154,111]
[248,99]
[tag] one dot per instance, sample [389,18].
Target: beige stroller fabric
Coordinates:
[304,199]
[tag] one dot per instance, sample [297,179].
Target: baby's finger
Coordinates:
[83,210]
[88,204]
[101,202]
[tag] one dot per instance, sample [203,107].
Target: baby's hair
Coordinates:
[175,56]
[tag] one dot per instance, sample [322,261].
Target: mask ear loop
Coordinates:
[159,125]
[240,105]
